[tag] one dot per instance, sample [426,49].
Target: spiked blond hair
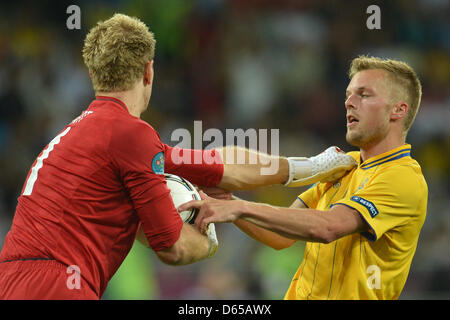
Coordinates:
[116,52]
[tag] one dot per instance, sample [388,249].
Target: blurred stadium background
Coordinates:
[233,64]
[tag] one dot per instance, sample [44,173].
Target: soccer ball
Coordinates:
[182,191]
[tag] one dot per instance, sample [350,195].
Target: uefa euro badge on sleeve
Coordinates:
[158,163]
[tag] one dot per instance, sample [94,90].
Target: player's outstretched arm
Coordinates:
[248,169]
[237,168]
[262,235]
[267,237]
[292,223]
[191,246]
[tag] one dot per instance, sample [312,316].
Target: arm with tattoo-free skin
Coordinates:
[237,168]
[278,227]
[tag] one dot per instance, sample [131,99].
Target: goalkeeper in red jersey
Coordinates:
[101,180]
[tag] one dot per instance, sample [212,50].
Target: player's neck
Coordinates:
[387,144]
[129,98]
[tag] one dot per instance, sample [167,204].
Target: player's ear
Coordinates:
[148,73]
[399,111]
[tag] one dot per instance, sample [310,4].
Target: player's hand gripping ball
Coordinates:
[182,191]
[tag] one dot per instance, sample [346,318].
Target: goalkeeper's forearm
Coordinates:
[247,169]
[192,246]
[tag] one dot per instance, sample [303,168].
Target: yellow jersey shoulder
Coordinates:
[355,155]
[405,172]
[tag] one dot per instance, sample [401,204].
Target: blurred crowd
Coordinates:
[259,64]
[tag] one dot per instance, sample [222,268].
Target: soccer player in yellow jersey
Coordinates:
[361,230]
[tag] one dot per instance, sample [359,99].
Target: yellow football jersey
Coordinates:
[390,193]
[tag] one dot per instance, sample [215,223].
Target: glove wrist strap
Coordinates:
[299,168]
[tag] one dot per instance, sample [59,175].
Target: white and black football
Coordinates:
[182,191]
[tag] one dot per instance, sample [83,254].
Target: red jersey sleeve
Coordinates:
[138,154]
[201,167]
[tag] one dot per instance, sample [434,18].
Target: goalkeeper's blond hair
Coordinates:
[116,52]
[404,82]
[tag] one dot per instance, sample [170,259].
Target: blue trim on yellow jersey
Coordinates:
[388,156]
[370,236]
[395,158]
[303,202]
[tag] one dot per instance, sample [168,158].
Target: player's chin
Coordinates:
[354,139]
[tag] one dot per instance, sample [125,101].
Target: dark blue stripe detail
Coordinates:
[366,164]
[395,158]
[303,202]
[370,236]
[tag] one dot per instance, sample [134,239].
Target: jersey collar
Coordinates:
[115,100]
[394,154]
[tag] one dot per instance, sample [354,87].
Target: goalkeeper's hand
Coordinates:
[327,166]
[212,238]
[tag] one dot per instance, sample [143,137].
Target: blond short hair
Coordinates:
[400,73]
[116,52]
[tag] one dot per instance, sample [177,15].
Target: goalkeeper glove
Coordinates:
[327,166]
[212,238]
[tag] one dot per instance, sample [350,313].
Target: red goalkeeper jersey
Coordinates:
[91,187]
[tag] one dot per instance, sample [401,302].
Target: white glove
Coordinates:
[212,237]
[329,165]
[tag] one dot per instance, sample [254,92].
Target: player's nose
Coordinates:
[350,103]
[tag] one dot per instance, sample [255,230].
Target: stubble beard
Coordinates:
[365,138]
[354,138]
